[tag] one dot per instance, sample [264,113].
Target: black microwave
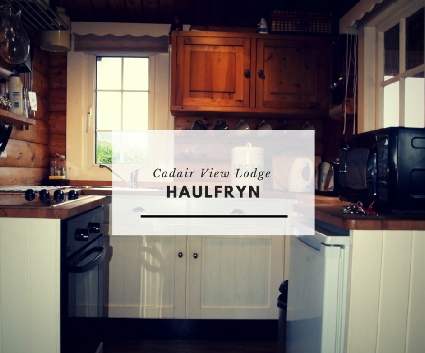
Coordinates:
[385,167]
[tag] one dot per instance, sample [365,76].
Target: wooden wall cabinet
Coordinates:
[250,73]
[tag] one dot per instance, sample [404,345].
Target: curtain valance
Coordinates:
[125,43]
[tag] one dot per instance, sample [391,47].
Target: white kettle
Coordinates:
[301,175]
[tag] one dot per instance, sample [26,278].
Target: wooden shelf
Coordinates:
[10,118]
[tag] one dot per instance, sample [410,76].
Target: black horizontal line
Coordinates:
[214,216]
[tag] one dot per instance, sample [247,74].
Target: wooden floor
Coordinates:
[190,346]
[170,335]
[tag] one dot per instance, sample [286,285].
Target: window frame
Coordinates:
[80,142]
[371,57]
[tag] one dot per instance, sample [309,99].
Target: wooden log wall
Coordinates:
[57,121]
[28,154]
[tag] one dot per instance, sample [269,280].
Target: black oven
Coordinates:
[82,256]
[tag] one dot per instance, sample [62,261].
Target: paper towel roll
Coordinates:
[336,111]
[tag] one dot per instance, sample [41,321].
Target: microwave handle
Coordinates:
[75,268]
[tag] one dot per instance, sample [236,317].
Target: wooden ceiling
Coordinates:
[231,13]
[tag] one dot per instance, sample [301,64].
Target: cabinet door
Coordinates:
[29,285]
[293,74]
[234,277]
[146,277]
[210,72]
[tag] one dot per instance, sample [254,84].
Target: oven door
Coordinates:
[84,281]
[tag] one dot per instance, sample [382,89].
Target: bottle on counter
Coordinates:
[57,166]
[15,93]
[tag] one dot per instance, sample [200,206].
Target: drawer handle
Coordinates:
[180,254]
[247,73]
[195,255]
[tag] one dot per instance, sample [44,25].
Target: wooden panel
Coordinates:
[386,292]
[43,109]
[57,60]
[134,10]
[415,342]
[366,259]
[58,100]
[36,133]
[20,176]
[210,72]
[41,84]
[234,277]
[15,256]
[57,77]
[204,69]
[142,277]
[296,73]
[57,123]
[29,285]
[45,285]
[41,60]
[57,144]
[26,155]
[151,10]
[394,291]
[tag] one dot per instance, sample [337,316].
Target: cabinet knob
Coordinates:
[261,74]
[180,254]
[195,255]
[247,73]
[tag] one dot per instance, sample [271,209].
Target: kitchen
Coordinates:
[29,150]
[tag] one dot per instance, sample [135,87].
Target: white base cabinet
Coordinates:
[220,277]
[234,277]
[386,300]
[29,285]
[145,277]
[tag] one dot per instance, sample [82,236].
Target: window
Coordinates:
[390,62]
[403,72]
[93,84]
[122,109]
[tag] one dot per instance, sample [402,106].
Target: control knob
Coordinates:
[29,195]
[44,195]
[58,196]
[72,194]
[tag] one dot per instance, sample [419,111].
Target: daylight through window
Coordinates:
[121,96]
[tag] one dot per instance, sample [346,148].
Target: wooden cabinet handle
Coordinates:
[261,74]
[247,73]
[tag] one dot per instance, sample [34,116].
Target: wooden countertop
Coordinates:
[328,209]
[59,211]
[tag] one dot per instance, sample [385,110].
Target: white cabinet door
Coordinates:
[145,277]
[231,277]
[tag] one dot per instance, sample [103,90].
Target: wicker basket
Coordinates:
[300,21]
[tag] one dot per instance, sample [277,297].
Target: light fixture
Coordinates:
[57,40]
[14,40]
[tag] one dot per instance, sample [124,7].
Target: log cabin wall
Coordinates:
[28,152]
[57,121]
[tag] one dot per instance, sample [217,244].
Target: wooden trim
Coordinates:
[126,43]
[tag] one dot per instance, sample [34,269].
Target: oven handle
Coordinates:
[74,268]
